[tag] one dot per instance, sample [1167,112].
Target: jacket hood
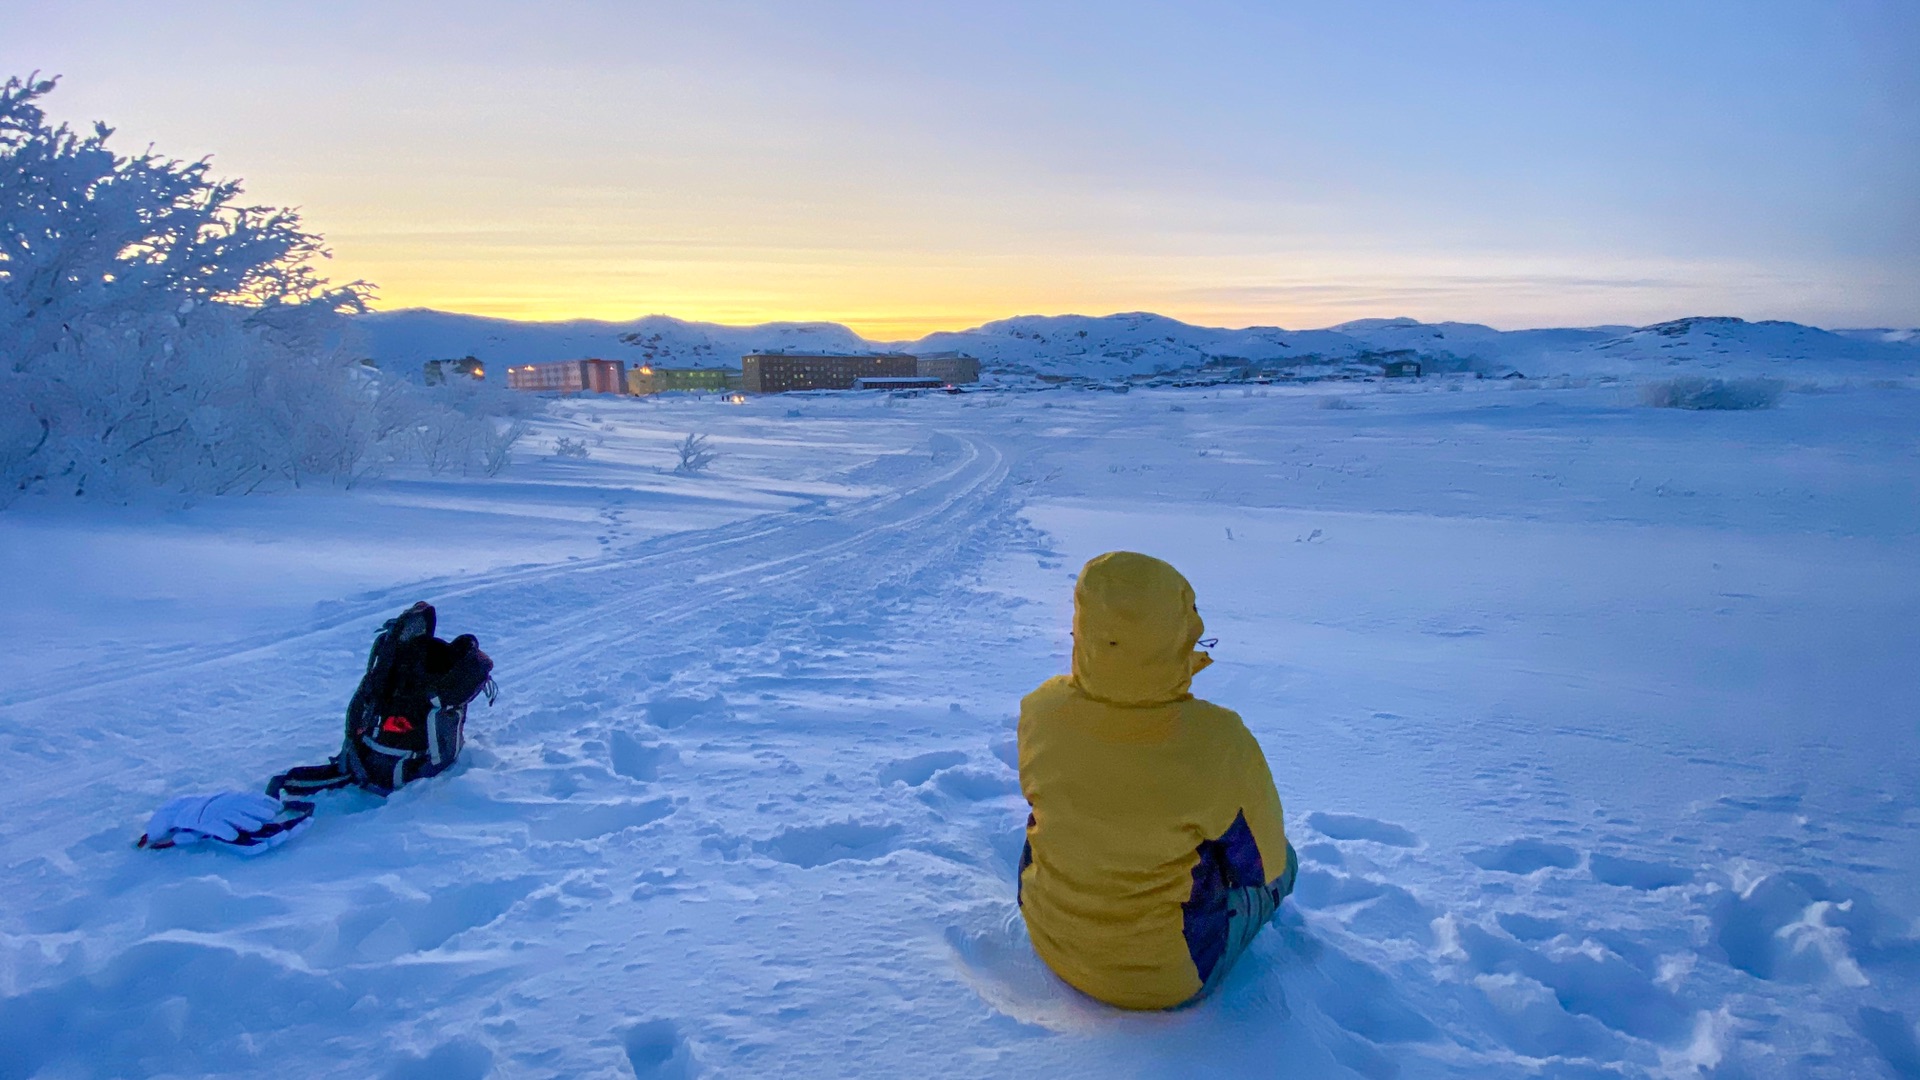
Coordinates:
[1134,628]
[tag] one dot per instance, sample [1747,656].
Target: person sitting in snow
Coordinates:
[1156,849]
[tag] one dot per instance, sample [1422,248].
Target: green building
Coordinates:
[647,379]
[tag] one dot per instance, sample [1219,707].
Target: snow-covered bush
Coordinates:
[1698,392]
[449,428]
[155,331]
[694,454]
[569,447]
[496,445]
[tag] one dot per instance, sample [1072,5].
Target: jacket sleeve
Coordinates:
[1259,808]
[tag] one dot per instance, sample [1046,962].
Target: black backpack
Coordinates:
[407,718]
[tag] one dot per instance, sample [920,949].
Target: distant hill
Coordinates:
[1884,334]
[1719,344]
[404,339]
[1115,346]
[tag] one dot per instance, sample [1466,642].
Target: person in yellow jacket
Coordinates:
[1156,848]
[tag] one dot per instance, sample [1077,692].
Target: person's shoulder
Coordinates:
[1220,723]
[1052,692]
[1204,710]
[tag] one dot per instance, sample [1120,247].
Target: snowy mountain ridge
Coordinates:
[418,334]
[1136,343]
[1715,342]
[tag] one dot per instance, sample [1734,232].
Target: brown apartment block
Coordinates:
[776,373]
[570,376]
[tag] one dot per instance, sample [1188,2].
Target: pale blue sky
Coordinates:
[905,167]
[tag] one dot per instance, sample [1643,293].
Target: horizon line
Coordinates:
[850,324]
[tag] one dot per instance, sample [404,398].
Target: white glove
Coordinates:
[244,819]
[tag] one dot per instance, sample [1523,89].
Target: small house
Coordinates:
[440,372]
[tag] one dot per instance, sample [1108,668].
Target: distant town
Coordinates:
[794,372]
[759,373]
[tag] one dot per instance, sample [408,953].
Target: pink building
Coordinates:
[571,376]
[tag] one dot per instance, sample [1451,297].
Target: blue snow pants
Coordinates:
[1249,910]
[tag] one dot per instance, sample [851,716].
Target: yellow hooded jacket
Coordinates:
[1148,803]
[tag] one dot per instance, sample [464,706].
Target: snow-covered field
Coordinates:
[1595,726]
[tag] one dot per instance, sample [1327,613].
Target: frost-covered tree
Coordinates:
[157,330]
[694,454]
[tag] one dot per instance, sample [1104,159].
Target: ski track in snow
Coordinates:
[747,805]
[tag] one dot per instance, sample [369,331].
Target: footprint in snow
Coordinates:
[975,785]
[949,772]
[1893,1036]
[918,769]
[1365,905]
[1355,827]
[1523,926]
[657,1051]
[1326,854]
[808,846]
[1635,874]
[1525,856]
[458,1059]
[637,760]
[1561,1002]
[1799,927]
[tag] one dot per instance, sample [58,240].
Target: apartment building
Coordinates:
[649,379]
[951,368]
[570,376]
[777,373]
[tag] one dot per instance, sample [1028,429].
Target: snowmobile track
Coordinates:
[644,569]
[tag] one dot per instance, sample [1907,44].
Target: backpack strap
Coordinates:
[304,780]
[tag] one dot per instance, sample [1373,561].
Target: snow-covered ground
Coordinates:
[1595,726]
